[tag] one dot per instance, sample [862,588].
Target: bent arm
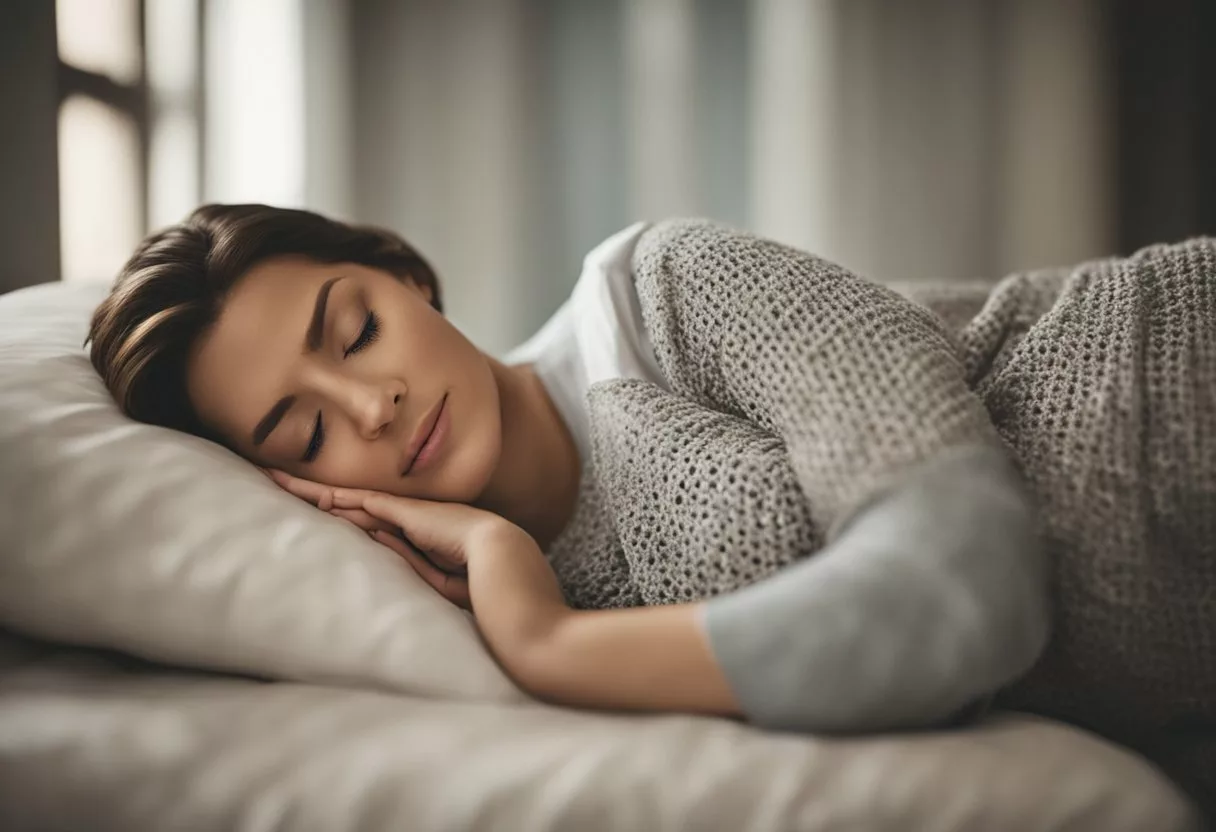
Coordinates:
[643,658]
[931,590]
[932,597]
[898,623]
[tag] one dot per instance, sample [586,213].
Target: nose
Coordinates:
[373,406]
[371,403]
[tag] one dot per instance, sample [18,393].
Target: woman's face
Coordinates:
[338,373]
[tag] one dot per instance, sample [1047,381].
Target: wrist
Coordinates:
[495,536]
[515,595]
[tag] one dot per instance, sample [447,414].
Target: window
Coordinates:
[128,126]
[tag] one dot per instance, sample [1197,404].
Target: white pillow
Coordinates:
[120,535]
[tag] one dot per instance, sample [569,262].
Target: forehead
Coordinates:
[240,366]
[279,283]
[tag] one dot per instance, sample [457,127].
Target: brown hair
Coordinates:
[174,285]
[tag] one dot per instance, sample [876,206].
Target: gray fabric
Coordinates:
[802,393]
[930,596]
[749,466]
[1102,381]
[778,425]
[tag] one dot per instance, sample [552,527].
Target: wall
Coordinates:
[29,185]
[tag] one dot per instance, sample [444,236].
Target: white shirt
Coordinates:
[597,334]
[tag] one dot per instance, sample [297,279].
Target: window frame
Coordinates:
[135,100]
[130,99]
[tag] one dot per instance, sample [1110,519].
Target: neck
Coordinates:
[536,483]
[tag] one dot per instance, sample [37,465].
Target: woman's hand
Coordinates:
[435,538]
[474,558]
[321,496]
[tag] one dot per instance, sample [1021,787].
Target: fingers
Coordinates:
[383,517]
[451,587]
[346,503]
[406,549]
[324,497]
[363,520]
[379,515]
[415,518]
[373,502]
[436,528]
[319,495]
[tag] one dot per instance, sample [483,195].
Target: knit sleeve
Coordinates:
[792,378]
[859,383]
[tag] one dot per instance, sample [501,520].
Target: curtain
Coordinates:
[944,139]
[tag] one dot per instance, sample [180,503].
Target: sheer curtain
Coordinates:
[942,139]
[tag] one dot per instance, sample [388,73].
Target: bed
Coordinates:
[184,646]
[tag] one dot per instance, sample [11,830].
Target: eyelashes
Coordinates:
[367,336]
[318,436]
[369,333]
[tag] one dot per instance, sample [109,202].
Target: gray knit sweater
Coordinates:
[801,395]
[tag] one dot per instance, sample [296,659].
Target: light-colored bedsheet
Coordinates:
[89,744]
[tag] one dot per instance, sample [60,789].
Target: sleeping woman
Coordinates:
[730,477]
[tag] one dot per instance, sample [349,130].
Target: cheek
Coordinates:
[349,462]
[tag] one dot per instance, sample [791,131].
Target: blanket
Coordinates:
[801,394]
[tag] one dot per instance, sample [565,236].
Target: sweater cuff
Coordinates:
[932,597]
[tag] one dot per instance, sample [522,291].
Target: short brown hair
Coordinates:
[174,285]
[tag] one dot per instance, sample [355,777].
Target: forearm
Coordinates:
[646,658]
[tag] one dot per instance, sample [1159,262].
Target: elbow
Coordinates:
[1016,622]
[994,572]
[934,598]
[998,610]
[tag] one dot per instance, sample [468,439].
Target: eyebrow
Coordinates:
[312,343]
[316,327]
[271,420]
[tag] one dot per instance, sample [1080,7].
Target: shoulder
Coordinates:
[705,258]
[690,264]
[686,268]
[684,236]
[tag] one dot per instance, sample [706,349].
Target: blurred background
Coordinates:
[908,139]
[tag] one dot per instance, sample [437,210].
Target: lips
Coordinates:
[423,433]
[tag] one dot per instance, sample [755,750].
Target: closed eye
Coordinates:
[314,444]
[369,333]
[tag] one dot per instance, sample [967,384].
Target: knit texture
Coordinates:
[800,392]
[779,425]
[1102,381]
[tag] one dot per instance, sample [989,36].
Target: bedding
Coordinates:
[186,647]
[166,546]
[806,400]
[87,744]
